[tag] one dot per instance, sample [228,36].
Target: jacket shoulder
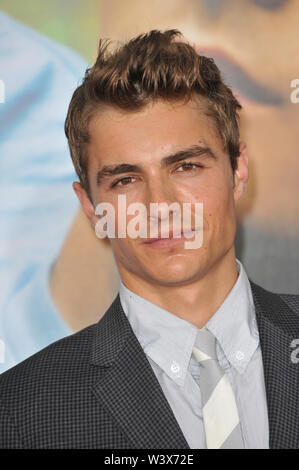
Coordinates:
[291,300]
[38,391]
[55,361]
[281,309]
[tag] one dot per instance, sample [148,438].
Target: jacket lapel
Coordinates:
[278,326]
[128,387]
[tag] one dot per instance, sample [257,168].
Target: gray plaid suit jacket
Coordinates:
[96,388]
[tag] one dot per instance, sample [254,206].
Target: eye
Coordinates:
[188,166]
[123,181]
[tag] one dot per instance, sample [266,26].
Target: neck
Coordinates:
[195,302]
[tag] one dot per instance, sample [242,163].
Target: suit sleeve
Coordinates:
[9,436]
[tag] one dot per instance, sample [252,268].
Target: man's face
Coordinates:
[141,142]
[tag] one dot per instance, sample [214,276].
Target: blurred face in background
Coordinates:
[255,45]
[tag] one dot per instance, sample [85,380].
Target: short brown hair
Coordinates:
[155,65]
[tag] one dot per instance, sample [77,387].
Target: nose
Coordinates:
[161,198]
[159,190]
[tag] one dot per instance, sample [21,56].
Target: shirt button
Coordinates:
[175,368]
[240,355]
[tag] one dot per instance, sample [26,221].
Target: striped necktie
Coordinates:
[220,413]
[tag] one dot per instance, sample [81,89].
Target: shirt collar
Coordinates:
[234,323]
[168,339]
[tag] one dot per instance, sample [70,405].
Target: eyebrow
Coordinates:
[190,152]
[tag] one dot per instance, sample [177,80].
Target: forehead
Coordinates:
[150,133]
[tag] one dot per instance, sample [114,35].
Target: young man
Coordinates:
[191,354]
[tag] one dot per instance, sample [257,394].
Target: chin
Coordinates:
[177,274]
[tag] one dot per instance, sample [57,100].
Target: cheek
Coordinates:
[218,208]
[217,197]
[123,250]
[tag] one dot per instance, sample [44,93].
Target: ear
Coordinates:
[85,202]
[241,174]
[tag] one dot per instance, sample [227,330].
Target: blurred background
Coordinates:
[74,23]
[56,277]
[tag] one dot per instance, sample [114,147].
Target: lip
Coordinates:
[167,242]
[239,79]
